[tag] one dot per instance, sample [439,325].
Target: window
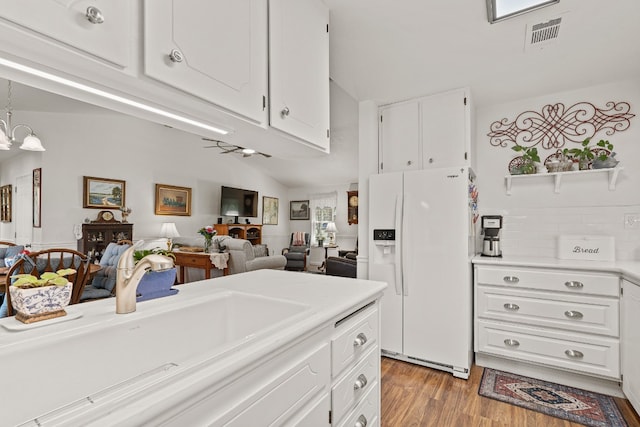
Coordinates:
[323,211]
[502,9]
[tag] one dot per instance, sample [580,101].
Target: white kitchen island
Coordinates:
[260,348]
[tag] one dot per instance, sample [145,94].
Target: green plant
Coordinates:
[583,153]
[529,158]
[138,255]
[607,145]
[49,278]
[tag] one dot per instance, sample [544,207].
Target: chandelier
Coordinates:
[8,135]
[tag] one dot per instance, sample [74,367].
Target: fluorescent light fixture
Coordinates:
[108,95]
[498,10]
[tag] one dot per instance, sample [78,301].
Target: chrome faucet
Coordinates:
[129,275]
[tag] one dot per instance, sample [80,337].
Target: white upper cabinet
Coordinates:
[100,29]
[425,133]
[213,49]
[445,129]
[299,69]
[399,129]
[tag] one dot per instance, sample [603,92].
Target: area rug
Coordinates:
[568,403]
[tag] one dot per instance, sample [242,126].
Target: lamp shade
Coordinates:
[331,227]
[32,143]
[169,230]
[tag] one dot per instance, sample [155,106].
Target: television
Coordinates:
[237,202]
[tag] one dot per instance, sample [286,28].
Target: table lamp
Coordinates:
[332,229]
[169,231]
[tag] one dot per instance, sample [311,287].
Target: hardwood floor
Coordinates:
[413,395]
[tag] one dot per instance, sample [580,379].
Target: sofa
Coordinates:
[242,257]
[346,266]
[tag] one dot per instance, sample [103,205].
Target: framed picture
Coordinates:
[5,203]
[269,210]
[101,193]
[299,209]
[172,200]
[37,197]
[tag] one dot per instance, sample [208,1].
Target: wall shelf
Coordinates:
[557,177]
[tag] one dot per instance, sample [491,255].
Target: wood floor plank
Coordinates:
[415,396]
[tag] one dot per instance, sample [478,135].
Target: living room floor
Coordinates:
[413,395]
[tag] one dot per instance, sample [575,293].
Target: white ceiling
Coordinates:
[389,50]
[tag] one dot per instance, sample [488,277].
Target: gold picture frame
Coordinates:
[5,203]
[103,193]
[172,200]
[269,210]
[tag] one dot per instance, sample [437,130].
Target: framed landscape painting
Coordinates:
[101,193]
[299,209]
[172,200]
[269,210]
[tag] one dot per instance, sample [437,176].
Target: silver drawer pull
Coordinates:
[94,15]
[573,284]
[572,314]
[511,307]
[574,354]
[361,339]
[511,342]
[511,279]
[361,421]
[361,381]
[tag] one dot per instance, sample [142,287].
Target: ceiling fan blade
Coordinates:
[266,155]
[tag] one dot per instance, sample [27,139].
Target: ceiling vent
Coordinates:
[542,34]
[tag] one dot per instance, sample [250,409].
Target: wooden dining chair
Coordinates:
[52,260]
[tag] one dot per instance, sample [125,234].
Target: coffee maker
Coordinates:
[491,225]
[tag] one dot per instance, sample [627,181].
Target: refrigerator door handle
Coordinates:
[398,257]
[403,248]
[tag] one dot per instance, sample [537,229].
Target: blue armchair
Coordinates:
[104,281]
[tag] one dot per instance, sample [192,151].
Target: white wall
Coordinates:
[534,214]
[143,154]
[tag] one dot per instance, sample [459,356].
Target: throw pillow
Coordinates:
[260,250]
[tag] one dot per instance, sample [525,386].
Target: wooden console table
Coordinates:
[197,260]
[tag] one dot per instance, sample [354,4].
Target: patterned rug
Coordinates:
[572,404]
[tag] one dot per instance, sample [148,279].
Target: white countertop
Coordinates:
[628,269]
[327,298]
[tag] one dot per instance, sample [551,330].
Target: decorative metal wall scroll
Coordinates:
[555,125]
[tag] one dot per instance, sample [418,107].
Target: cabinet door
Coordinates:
[67,24]
[299,69]
[445,129]
[219,51]
[630,342]
[400,137]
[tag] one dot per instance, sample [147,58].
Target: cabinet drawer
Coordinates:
[588,354]
[353,339]
[577,282]
[580,313]
[367,410]
[351,388]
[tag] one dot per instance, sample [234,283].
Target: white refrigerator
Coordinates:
[421,243]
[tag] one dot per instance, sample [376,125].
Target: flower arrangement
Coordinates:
[125,213]
[207,232]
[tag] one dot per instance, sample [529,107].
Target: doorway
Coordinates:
[23,211]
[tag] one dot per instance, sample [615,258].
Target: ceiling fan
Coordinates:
[231,148]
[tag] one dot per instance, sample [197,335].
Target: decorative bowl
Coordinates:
[44,299]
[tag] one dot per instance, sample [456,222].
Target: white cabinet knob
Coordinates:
[176,56]
[511,279]
[572,314]
[361,421]
[511,307]
[511,342]
[574,354]
[573,284]
[285,112]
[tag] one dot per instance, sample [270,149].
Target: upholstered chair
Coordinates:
[296,253]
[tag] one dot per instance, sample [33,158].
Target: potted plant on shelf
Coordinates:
[530,158]
[155,284]
[584,154]
[40,298]
[606,156]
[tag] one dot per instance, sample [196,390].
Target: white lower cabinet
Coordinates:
[355,387]
[631,342]
[562,319]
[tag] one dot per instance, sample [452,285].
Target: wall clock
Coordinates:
[352,207]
